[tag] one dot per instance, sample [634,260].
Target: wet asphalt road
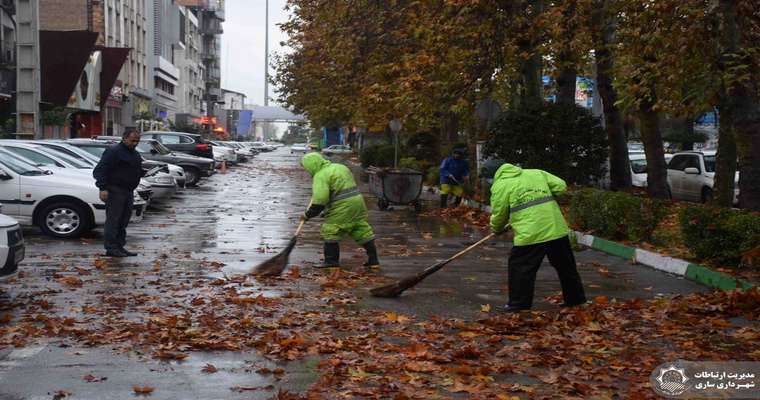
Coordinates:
[238,219]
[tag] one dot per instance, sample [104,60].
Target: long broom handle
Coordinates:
[303,221]
[467,250]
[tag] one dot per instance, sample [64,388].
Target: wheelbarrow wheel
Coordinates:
[417,206]
[382,204]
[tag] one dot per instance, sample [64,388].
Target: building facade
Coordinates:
[128,24]
[210,14]
[192,84]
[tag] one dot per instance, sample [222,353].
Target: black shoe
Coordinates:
[444,200]
[372,261]
[116,253]
[515,309]
[575,304]
[128,253]
[332,256]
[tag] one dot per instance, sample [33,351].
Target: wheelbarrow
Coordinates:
[396,187]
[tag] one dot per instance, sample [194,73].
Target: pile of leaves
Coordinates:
[462,214]
[604,348]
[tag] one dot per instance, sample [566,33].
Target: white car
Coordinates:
[224,153]
[50,159]
[691,176]
[12,248]
[337,149]
[61,205]
[299,148]
[261,146]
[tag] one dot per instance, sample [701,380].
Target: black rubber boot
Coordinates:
[372,261]
[332,256]
[444,200]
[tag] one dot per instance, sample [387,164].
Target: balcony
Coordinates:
[211,27]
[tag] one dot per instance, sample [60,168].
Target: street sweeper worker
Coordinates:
[336,196]
[524,199]
[454,172]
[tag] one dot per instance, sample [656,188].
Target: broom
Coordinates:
[395,289]
[275,265]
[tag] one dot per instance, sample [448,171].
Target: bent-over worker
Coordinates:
[524,199]
[335,194]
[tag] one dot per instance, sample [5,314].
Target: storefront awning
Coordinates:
[113,60]
[63,55]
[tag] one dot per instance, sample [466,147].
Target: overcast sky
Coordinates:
[243,46]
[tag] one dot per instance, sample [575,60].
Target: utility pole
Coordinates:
[266,56]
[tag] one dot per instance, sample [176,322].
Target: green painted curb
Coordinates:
[714,279]
[617,249]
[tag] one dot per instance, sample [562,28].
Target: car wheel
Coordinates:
[64,220]
[707,195]
[192,176]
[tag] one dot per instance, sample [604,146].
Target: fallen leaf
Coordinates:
[209,369]
[143,390]
[485,308]
[71,281]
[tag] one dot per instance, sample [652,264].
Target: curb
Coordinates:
[693,272]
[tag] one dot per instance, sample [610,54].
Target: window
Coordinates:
[186,139]
[38,158]
[639,166]
[680,163]
[169,139]
[710,164]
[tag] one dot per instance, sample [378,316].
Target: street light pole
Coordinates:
[266,56]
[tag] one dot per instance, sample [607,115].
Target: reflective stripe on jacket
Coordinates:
[524,198]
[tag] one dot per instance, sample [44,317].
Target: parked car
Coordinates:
[60,204]
[223,152]
[12,250]
[243,153]
[337,149]
[189,143]
[299,148]
[249,146]
[175,171]
[194,167]
[691,176]
[261,146]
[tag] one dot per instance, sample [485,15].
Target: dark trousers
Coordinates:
[118,212]
[524,262]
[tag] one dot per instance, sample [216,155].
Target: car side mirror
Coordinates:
[4,176]
[691,171]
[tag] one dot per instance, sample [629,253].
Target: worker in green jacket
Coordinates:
[524,199]
[335,195]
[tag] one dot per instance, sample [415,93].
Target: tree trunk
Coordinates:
[531,82]
[568,70]
[566,84]
[743,103]
[725,163]
[620,171]
[657,174]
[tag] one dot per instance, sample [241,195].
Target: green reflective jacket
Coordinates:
[525,199]
[335,188]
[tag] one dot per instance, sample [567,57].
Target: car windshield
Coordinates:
[709,163]
[19,166]
[639,166]
[96,151]
[77,163]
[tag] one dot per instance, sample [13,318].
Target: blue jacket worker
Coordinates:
[454,173]
[117,175]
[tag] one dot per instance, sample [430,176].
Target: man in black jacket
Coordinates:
[117,175]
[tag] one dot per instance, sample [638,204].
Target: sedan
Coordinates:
[337,149]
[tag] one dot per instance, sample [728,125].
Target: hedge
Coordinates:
[720,234]
[616,215]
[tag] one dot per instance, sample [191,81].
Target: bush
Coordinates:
[415,164]
[616,215]
[720,234]
[565,140]
[433,176]
[377,156]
